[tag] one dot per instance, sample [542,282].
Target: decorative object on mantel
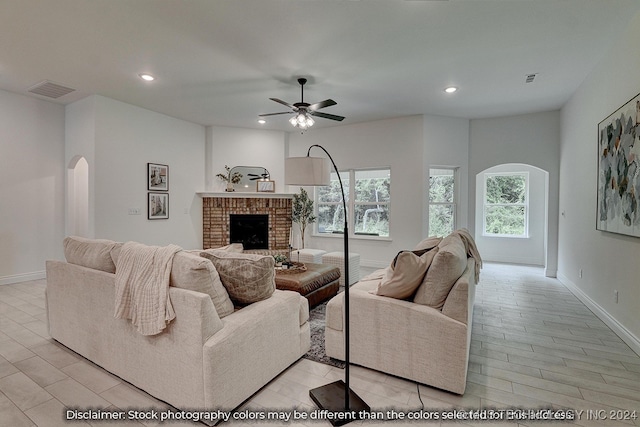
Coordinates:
[619,171]
[336,397]
[302,212]
[157,177]
[230,178]
[265,186]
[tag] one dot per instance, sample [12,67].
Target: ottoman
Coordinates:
[337,259]
[318,283]
[308,255]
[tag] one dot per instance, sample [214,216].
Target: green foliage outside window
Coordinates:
[441,202]
[505,209]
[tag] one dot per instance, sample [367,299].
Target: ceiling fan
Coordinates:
[304,110]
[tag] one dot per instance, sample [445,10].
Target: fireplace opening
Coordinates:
[250,230]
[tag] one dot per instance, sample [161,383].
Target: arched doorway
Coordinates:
[78,197]
[528,247]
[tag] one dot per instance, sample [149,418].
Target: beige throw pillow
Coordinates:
[405,274]
[248,278]
[447,266]
[428,243]
[191,271]
[90,253]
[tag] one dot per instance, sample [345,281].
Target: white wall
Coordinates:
[608,261]
[529,250]
[118,140]
[531,139]
[243,147]
[446,142]
[31,186]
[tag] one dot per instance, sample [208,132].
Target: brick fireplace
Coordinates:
[217,211]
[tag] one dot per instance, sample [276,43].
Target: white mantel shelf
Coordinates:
[245,194]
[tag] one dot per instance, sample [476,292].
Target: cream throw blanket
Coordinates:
[142,286]
[472,250]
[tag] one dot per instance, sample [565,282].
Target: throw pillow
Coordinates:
[248,278]
[447,266]
[428,243]
[191,271]
[405,274]
[90,253]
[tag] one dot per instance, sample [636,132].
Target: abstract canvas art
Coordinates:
[619,170]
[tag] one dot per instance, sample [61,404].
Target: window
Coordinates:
[506,204]
[367,193]
[442,201]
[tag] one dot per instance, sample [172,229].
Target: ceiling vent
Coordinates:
[50,89]
[530,78]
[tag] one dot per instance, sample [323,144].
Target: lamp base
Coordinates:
[330,397]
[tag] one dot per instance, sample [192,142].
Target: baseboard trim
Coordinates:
[24,277]
[625,335]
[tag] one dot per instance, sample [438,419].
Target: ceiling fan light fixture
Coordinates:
[302,120]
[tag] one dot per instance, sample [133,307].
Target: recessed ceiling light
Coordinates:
[262,121]
[451,89]
[147,77]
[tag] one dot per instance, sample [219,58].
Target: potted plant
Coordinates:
[302,212]
[230,178]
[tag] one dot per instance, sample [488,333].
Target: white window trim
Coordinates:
[350,191]
[455,204]
[525,204]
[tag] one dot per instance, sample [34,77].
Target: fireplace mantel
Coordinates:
[245,194]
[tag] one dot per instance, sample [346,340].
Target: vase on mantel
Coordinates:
[230,187]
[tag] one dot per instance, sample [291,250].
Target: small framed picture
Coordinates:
[266,186]
[158,206]
[157,177]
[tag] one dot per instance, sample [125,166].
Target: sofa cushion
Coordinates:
[90,253]
[405,274]
[247,277]
[191,271]
[428,243]
[447,266]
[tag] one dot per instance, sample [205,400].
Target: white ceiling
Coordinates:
[217,62]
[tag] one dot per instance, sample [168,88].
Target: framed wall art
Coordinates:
[158,206]
[157,177]
[265,186]
[618,208]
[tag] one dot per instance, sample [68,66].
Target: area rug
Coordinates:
[317,352]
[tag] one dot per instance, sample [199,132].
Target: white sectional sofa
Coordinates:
[201,361]
[424,337]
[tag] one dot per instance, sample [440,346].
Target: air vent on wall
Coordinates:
[530,78]
[50,89]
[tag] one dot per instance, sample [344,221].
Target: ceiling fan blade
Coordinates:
[275,114]
[322,104]
[326,116]
[280,101]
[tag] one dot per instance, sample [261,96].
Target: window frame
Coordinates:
[487,175]
[351,204]
[454,204]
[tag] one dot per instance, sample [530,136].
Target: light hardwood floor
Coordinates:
[534,345]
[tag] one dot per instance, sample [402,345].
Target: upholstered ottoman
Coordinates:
[317,283]
[308,255]
[337,259]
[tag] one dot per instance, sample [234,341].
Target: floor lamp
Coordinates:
[337,398]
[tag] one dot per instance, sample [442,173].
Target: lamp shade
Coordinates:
[315,171]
